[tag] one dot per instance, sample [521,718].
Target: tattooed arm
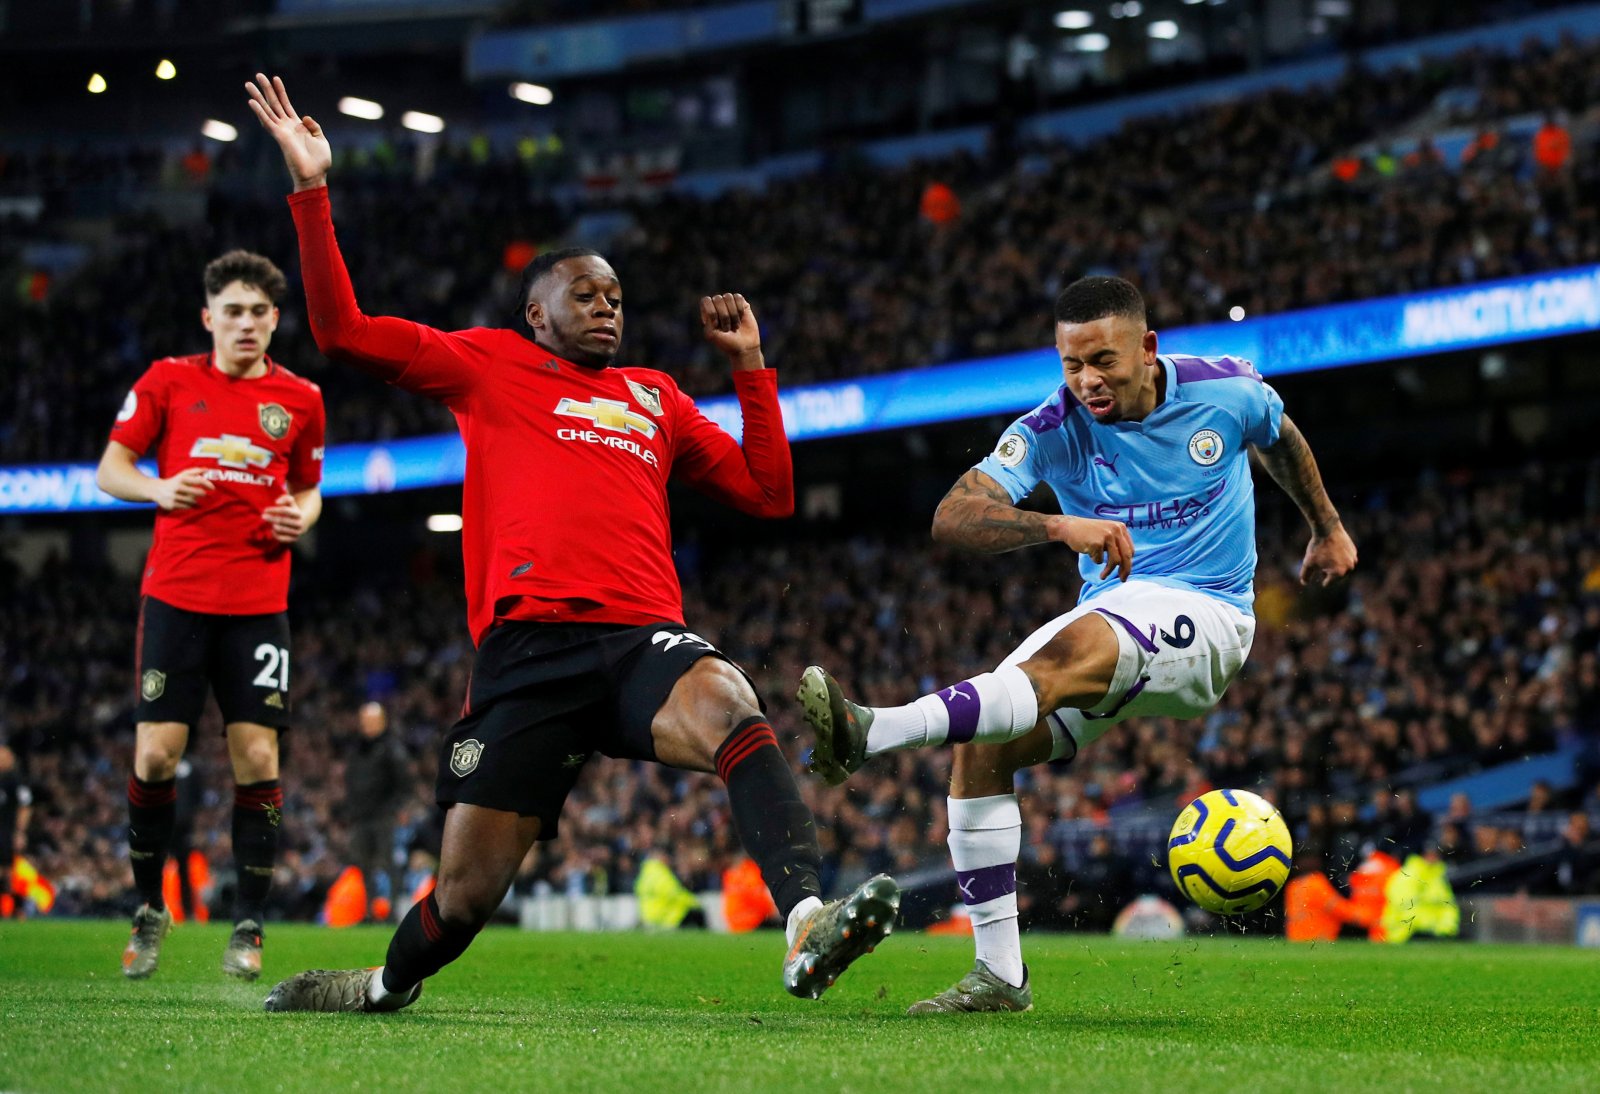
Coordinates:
[977,515]
[1331,553]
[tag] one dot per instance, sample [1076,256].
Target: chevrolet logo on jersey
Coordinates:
[232,450]
[612,414]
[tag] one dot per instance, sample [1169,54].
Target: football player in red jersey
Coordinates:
[572,597]
[238,444]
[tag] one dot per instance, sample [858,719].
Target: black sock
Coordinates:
[257,812]
[772,822]
[152,812]
[424,943]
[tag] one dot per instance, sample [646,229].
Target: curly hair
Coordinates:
[255,270]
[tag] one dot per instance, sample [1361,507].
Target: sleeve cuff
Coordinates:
[318,195]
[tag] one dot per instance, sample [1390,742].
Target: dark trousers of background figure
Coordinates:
[372,852]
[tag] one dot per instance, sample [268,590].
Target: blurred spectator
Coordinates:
[1313,909]
[1045,898]
[16,808]
[939,205]
[1577,866]
[746,903]
[1552,146]
[1368,884]
[664,902]
[1418,899]
[377,783]
[1104,886]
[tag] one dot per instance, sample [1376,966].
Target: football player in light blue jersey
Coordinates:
[1148,455]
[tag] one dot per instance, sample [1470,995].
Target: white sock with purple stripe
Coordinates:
[992,707]
[985,840]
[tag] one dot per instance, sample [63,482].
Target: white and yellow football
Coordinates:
[1229,851]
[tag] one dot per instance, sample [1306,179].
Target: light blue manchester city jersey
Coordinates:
[1180,479]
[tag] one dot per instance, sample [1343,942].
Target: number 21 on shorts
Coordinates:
[275,668]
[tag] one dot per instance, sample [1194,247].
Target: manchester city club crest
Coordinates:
[648,397]
[275,420]
[153,684]
[1205,447]
[465,755]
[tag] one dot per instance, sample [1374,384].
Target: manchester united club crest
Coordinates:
[153,685]
[465,755]
[648,397]
[275,420]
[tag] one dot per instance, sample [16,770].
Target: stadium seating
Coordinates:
[1283,200]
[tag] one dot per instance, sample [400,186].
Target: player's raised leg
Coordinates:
[1085,659]
[712,721]
[1076,661]
[152,812]
[257,820]
[478,859]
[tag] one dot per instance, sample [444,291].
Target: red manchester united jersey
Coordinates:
[564,507]
[254,439]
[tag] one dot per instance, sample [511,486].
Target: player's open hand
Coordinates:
[1328,557]
[287,519]
[731,327]
[183,490]
[1104,541]
[305,149]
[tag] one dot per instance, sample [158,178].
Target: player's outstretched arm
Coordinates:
[978,515]
[1331,553]
[383,346]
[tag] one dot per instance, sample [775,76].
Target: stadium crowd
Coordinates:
[1277,201]
[1469,637]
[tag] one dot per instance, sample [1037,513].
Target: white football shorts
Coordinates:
[1180,650]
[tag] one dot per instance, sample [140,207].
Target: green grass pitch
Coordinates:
[694,1013]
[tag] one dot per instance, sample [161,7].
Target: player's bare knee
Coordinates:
[723,697]
[1074,668]
[157,751]
[707,703]
[157,763]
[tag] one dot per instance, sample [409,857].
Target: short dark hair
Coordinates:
[1091,298]
[249,267]
[533,271]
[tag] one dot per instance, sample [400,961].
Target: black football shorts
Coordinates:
[244,659]
[544,697]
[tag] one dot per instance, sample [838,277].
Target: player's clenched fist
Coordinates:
[183,490]
[1329,556]
[1104,541]
[731,327]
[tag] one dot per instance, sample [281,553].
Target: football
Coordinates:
[1229,851]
